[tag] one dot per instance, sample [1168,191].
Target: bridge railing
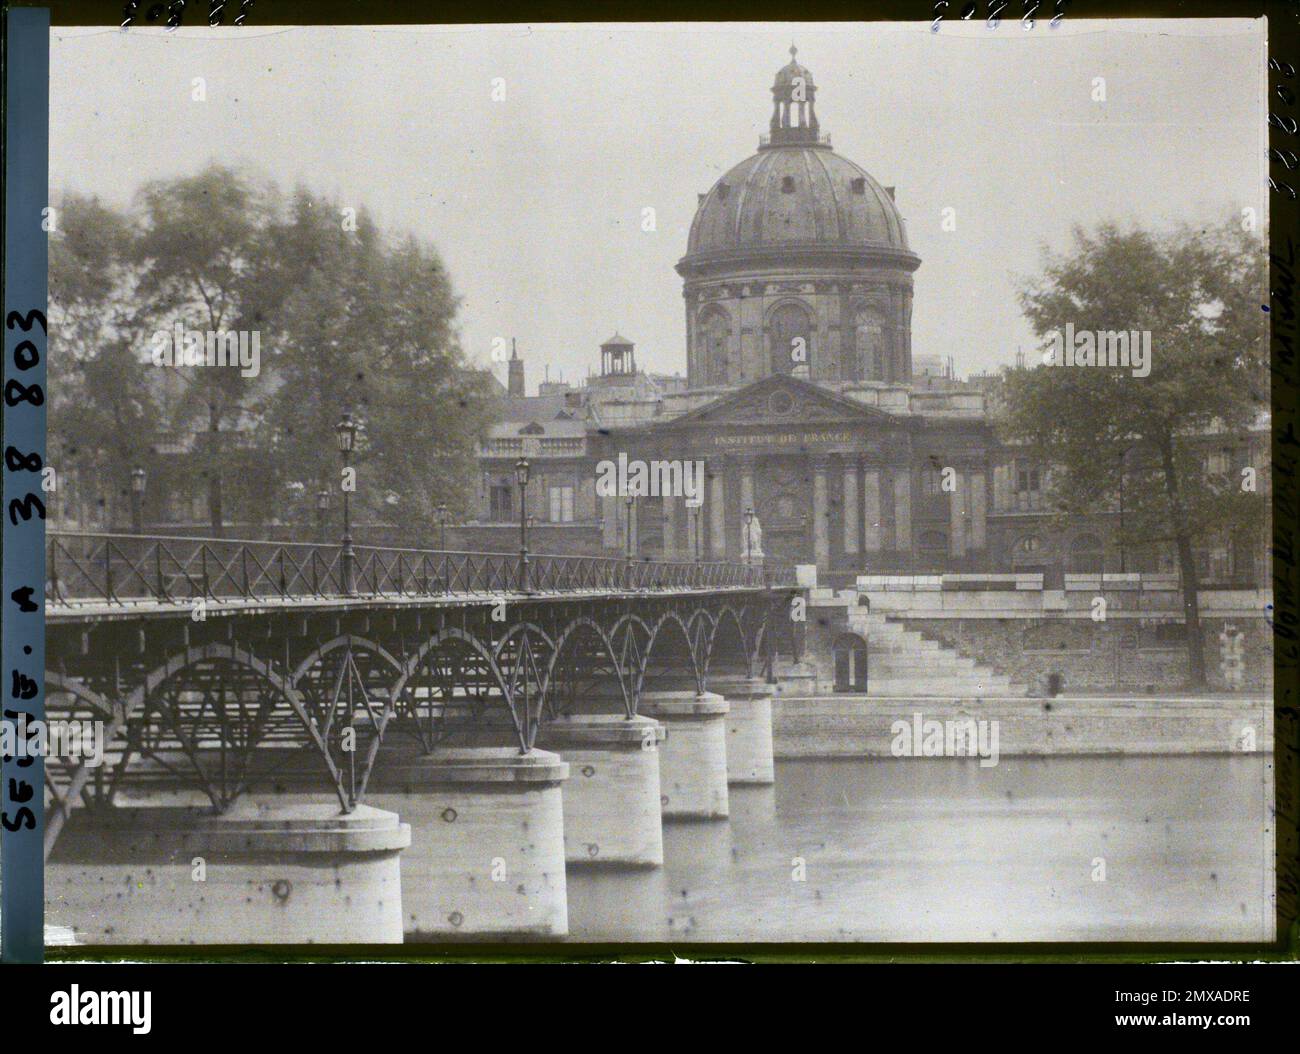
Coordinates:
[86,567]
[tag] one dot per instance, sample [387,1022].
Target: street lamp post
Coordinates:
[345,432]
[137,500]
[693,507]
[629,553]
[442,527]
[749,519]
[522,469]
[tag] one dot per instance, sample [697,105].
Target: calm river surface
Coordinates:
[941,850]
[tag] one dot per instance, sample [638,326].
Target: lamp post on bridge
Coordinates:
[137,500]
[345,433]
[629,552]
[749,519]
[522,469]
[442,527]
[693,506]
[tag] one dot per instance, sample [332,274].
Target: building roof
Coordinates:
[533,408]
[797,195]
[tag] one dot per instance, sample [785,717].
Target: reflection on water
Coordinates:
[942,850]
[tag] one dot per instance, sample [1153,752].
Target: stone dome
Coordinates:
[796,195]
[797,262]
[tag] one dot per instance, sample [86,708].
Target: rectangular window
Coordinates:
[561,504]
[1029,493]
[501,502]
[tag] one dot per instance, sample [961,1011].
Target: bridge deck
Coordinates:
[97,610]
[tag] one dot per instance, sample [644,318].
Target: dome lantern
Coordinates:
[794,114]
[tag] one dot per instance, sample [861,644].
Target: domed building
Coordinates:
[802,404]
[797,261]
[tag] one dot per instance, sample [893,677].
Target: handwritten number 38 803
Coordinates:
[26,356]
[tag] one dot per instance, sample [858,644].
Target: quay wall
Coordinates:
[847,726]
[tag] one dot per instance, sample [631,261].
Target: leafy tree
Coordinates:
[197,253]
[348,322]
[367,328]
[103,409]
[1199,294]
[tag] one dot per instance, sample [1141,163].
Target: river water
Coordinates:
[939,849]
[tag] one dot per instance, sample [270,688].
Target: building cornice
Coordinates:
[795,254]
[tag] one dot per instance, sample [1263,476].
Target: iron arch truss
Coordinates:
[195,707]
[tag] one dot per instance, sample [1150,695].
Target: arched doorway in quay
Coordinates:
[850,652]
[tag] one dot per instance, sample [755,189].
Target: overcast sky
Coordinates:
[535,202]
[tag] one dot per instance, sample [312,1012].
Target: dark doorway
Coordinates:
[850,663]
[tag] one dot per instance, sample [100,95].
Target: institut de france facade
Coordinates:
[801,398]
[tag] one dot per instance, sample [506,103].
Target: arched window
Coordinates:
[715,334]
[1028,547]
[1086,555]
[1027,555]
[869,343]
[790,332]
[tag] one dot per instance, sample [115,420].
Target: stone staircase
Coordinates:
[903,662]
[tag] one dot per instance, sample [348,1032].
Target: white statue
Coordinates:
[754,533]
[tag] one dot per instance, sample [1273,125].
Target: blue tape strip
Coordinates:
[22,579]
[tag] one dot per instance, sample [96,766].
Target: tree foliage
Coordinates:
[1110,435]
[348,321]
[102,409]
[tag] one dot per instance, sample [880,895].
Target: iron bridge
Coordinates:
[200,654]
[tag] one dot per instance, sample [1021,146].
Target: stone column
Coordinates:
[957,517]
[978,511]
[717,514]
[746,483]
[871,510]
[670,526]
[903,510]
[821,526]
[850,506]
[745,468]
[611,521]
